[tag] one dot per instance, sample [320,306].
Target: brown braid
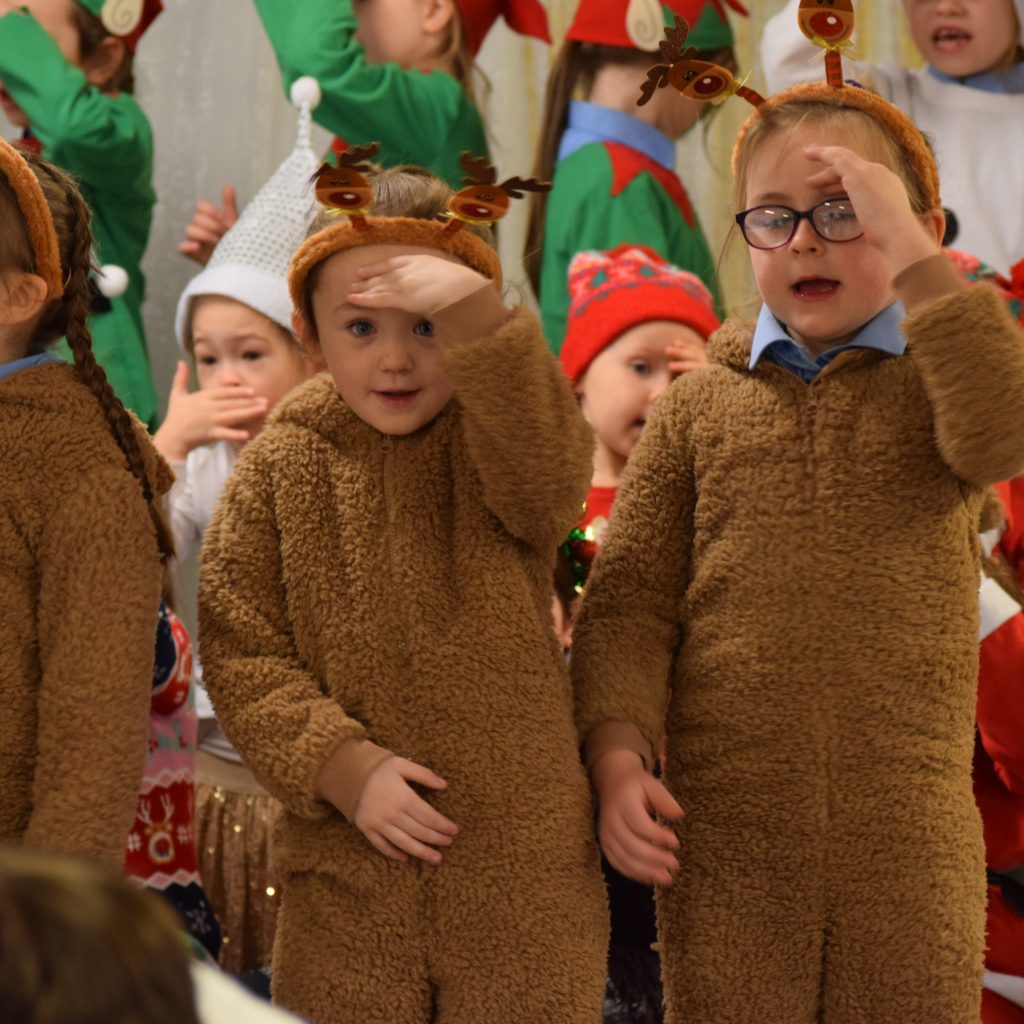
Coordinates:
[68,316]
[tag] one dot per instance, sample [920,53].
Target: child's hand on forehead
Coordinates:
[422,284]
[881,202]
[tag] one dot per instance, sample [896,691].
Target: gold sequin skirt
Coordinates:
[234,820]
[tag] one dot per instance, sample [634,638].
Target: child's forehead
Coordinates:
[221,319]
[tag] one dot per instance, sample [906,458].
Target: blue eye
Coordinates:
[361,328]
[424,328]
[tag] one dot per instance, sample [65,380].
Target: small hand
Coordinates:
[883,207]
[420,284]
[198,417]
[395,819]
[208,226]
[628,799]
[685,355]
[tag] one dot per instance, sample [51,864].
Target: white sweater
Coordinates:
[978,136]
[198,483]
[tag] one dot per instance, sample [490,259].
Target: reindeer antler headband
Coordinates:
[36,212]
[348,194]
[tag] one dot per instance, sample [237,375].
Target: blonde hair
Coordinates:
[790,117]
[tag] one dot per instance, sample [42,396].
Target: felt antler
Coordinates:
[344,189]
[674,49]
[516,186]
[479,170]
[357,158]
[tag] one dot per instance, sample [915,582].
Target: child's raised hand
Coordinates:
[208,226]
[628,799]
[420,284]
[685,355]
[396,819]
[883,208]
[199,417]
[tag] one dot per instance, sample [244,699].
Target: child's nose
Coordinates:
[805,238]
[228,375]
[395,357]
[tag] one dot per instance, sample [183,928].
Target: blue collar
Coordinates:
[1009,81]
[11,368]
[772,341]
[590,122]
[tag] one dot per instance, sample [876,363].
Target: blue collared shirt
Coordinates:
[772,342]
[590,122]
[1009,81]
[11,368]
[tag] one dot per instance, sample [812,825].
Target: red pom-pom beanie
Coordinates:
[611,292]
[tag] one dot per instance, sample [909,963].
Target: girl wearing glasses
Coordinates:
[786,600]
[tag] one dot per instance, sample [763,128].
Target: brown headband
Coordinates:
[467,246]
[38,218]
[906,134]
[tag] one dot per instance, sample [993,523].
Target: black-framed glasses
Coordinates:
[771,226]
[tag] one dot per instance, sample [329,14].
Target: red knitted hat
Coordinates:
[527,17]
[611,292]
[640,24]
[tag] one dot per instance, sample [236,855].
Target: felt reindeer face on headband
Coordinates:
[828,20]
[692,78]
[484,201]
[345,188]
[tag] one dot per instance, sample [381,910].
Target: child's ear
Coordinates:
[102,64]
[437,15]
[934,224]
[25,295]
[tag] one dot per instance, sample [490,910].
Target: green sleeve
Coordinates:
[583,214]
[98,137]
[419,117]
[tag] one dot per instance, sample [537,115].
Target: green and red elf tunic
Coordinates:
[105,141]
[418,116]
[615,179]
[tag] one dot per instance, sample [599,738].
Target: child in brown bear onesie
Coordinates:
[374,608]
[787,600]
[82,544]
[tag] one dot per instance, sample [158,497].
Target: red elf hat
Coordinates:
[640,24]
[125,19]
[526,17]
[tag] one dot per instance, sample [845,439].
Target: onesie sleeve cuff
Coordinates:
[926,281]
[344,774]
[610,736]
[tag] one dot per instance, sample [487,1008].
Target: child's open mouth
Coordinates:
[397,399]
[950,40]
[816,288]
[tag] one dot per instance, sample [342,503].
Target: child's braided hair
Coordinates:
[68,315]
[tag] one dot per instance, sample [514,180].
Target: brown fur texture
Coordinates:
[356,585]
[38,219]
[787,598]
[467,246]
[79,593]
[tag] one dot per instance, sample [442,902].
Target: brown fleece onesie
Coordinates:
[80,582]
[792,571]
[397,589]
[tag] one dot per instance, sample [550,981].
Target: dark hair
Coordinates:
[82,945]
[572,75]
[397,192]
[91,34]
[68,316]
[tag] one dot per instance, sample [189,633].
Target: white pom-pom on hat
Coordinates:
[305,92]
[112,281]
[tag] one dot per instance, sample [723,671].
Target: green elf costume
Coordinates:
[615,179]
[419,116]
[104,140]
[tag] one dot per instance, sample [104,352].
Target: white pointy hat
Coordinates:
[250,263]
